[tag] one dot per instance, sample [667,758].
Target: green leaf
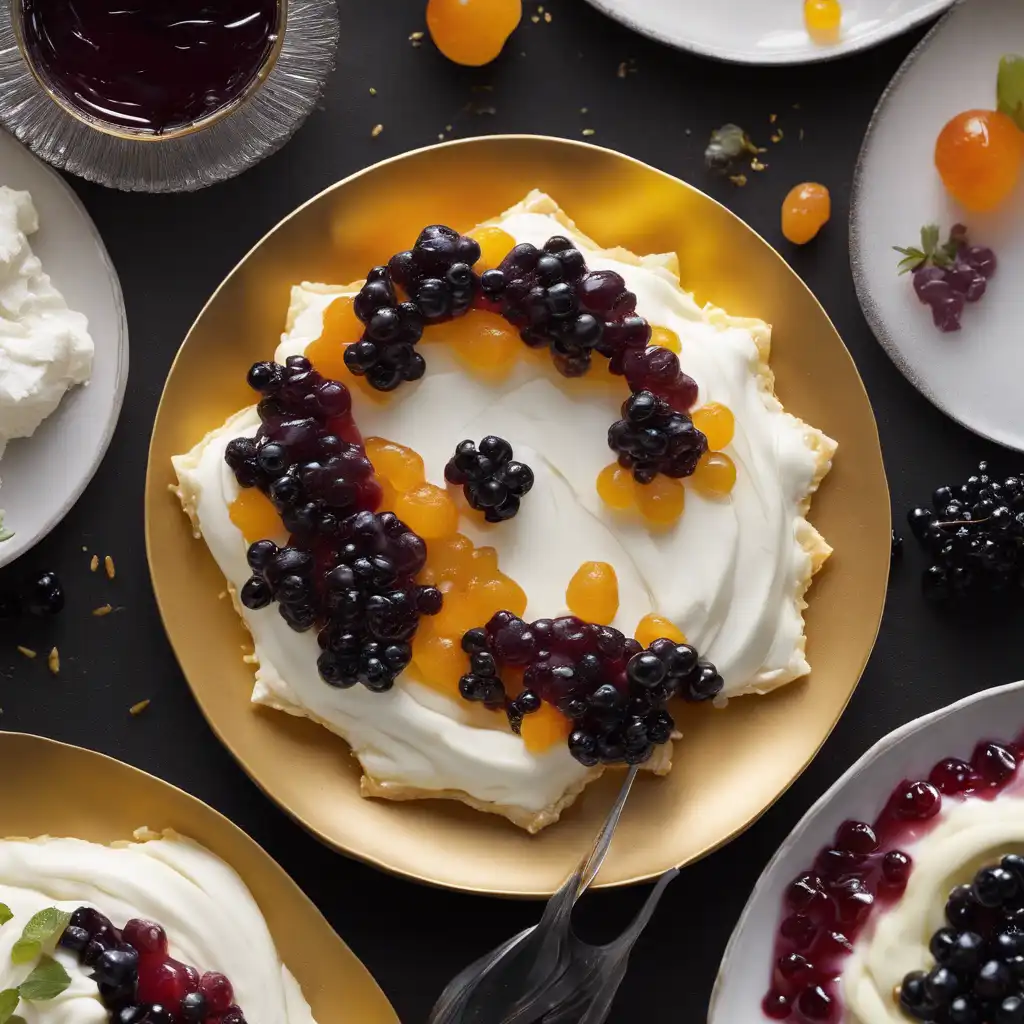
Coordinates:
[47,980]
[24,951]
[1010,87]
[9,1000]
[5,913]
[46,926]
[17,1019]
[929,238]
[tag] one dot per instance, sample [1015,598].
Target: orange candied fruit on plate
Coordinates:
[341,328]
[823,19]
[484,342]
[615,487]
[401,467]
[495,244]
[656,627]
[805,211]
[715,475]
[662,501]
[439,660]
[428,511]
[978,155]
[717,423]
[255,516]
[665,337]
[472,32]
[593,593]
[545,727]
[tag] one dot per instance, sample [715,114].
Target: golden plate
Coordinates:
[732,764]
[54,789]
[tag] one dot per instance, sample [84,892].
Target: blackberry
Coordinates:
[491,480]
[653,438]
[386,353]
[656,369]
[437,273]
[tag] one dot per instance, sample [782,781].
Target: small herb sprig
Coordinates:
[931,254]
[48,978]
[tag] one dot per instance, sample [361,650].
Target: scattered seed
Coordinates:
[137,709]
[772,118]
[440,136]
[621,73]
[800,137]
[27,651]
[547,17]
[757,165]
[222,595]
[584,110]
[416,38]
[53,661]
[535,18]
[376,130]
[108,564]
[739,180]
[777,136]
[373,92]
[94,563]
[104,609]
[588,131]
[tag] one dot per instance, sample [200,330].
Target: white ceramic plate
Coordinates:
[909,752]
[44,475]
[766,31]
[972,375]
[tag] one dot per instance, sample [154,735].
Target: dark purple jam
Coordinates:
[149,65]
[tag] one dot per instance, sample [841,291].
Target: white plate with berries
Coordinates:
[938,178]
[894,897]
[772,31]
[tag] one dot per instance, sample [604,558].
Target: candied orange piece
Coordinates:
[255,516]
[717,423]
[665,337]
[449,559]
[715,474]
[484,342]
[495,245]
[805,211]
[544,728]
[593,593]
[461,611]
[655,627]
[485,563]
[428,511]
[500,593]
[662,501]
[615,487]
[978,156]
[341,328]
[822,19]
[472,32]
[399,466]
[440,661]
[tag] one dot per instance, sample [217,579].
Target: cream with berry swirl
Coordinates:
[731,573]
[209,915]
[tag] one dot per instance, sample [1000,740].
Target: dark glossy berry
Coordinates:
[256,593]
[265,377]
[193,1007]
[117,968]
[653,438]
[491,482]
[994,886]
[43,594]
[941,986]
[992,981]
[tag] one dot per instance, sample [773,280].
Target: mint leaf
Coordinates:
[46,926]
[5,913]
[24,951]
[4,534]
[47,980]
[1010,87]
[9,999]
[929,238]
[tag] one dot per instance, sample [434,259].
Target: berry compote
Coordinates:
[827,906]
[151,66]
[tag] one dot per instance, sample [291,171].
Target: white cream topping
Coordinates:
[729,574]
[968,835]
[211,920]
[45,348]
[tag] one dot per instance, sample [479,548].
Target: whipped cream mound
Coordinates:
[966,835]
[210,917]
[45,348]
[731,573]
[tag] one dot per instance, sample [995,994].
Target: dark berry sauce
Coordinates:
[827,907]
[149,65]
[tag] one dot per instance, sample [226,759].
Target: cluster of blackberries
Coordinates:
[975,534]
[556,302]
[437,273]
[386,354]
[491,480]
[612,689]
[39,594]
[653,438]
[300,457]
[360,593]
[979,955]
[657,369]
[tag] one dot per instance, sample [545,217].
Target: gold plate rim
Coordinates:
[50,768]
[873,561]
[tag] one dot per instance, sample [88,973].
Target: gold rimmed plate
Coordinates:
[733,763]
[54,789]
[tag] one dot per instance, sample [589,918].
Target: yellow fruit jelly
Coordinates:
[428,511]
[715,475]
[615,487]
[823,19]
[665,337]
[655,627]
[341,328]
[449,560]
[662,501]
[495,245]
[717,423]
[255,516]
[484,343]
[544,728]
[439,660]
[399,466]
[593,593]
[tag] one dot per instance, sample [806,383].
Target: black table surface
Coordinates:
[172,251]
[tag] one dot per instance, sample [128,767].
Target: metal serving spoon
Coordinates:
[546,974]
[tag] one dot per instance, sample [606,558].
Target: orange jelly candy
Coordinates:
[715,474]
[978,156]
[717,423]
[655,627]
[440,660]
[472,32]
[615,487]
[662,501]
[449,560]
[805,211]
[341,328]
[666,338]
[822,19]
[484,342]
[401,467]
[593,593]
[253,514]
[428,511]
[544,728]
[495,245]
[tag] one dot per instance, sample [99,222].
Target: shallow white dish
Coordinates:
[44,475]
[906,753]
[972,375]
[766,31]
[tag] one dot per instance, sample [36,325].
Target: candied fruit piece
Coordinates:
[593,593]
[472,32]
[978,156]
[805,211]
[428,511]
[822,19]
[545,727]
[449,559]
[656,627]
[485,563]
[495,245]
[662,501]
[666,338]
[615,487]
[461,611]
[254,514]
[439,660]
[484,342]
[401,467]
[500,593]
[715,475]
[341,328]
[716,422]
